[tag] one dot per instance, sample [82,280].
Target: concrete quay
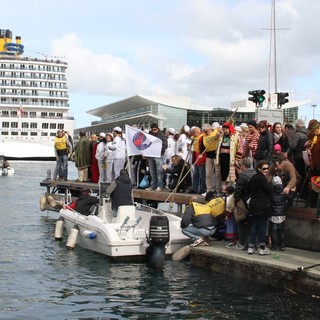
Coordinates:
[293,269]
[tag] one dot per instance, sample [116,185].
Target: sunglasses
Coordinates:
[265,168]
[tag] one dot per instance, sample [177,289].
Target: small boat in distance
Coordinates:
[5,168]
[34,102]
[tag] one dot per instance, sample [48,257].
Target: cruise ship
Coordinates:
[34,102]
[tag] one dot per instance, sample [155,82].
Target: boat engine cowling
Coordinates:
[159,236]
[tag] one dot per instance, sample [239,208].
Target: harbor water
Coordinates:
[41,279]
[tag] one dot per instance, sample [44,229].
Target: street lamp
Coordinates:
[313,106]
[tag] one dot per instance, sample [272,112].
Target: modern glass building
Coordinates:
[174,112]
[142,111]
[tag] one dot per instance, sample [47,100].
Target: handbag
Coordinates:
[144,182]
[240,211]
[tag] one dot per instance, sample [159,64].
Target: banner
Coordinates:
[142,143]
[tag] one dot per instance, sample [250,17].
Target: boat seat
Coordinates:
[126,211]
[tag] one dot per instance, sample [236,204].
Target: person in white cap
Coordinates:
[183,142]
[118,149]
[101,158]
[170,151]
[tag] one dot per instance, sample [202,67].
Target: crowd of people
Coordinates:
[257,167]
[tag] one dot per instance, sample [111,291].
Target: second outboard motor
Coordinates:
[159,236]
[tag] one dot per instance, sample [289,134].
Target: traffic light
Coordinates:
[282,98]
[257,97]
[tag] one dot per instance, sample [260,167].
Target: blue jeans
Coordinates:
[156,172]
[199,179]
[258,229]
[195,233]
[62,165]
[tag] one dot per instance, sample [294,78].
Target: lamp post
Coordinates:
[314,107]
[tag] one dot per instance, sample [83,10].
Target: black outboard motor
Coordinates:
[159,236]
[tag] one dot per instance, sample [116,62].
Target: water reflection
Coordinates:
[41,279]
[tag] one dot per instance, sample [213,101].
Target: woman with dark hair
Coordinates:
[281,138]
[259,207]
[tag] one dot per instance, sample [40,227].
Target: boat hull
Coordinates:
[115,239]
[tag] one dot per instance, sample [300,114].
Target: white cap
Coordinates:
[215,125]
[238,128]
[276,180]
[118,129]
[172,130]
[146,131]
[102,134]
[186,128]
[243,124]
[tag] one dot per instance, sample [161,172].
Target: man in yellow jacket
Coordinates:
[62,146]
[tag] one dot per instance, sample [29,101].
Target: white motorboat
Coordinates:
[137,230]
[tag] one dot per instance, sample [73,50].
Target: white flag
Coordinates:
[142,143]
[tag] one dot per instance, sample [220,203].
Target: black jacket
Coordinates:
[265,146]
[298,141]
[261,192]
[278,201]
[84,203]
[160,135]
[122,194]
[241,190]
[175,173]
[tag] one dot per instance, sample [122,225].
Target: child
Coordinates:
[278,210]
[232,230]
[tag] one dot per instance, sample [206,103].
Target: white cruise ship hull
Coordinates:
[27,150]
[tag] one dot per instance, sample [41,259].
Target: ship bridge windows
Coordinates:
[53,126]
[44,134]
[5,113]
[4,133]
[25,125]
[33,134]
[45,125]
[60,126]
[5,124]
[14,133]
[33,114]
[13,113]
[14,125]
[23,133]
[33,125]
[44,114]
[59,115]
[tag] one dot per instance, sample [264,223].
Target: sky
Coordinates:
[213,51]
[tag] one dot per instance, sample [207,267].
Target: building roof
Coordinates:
[140,101]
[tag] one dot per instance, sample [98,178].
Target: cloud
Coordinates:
[96,73]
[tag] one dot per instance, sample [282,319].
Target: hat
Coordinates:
[276,180]
[226,125]
[117,129]
[206,126]
[243,125]
[102,134]
[277,147]
[215,125]
[59,131]
[186,128]
[313,125]
[262,124]
[238,128]
[172,130]
[252,123]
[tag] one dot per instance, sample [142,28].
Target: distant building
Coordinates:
[142,111]
[174,112]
